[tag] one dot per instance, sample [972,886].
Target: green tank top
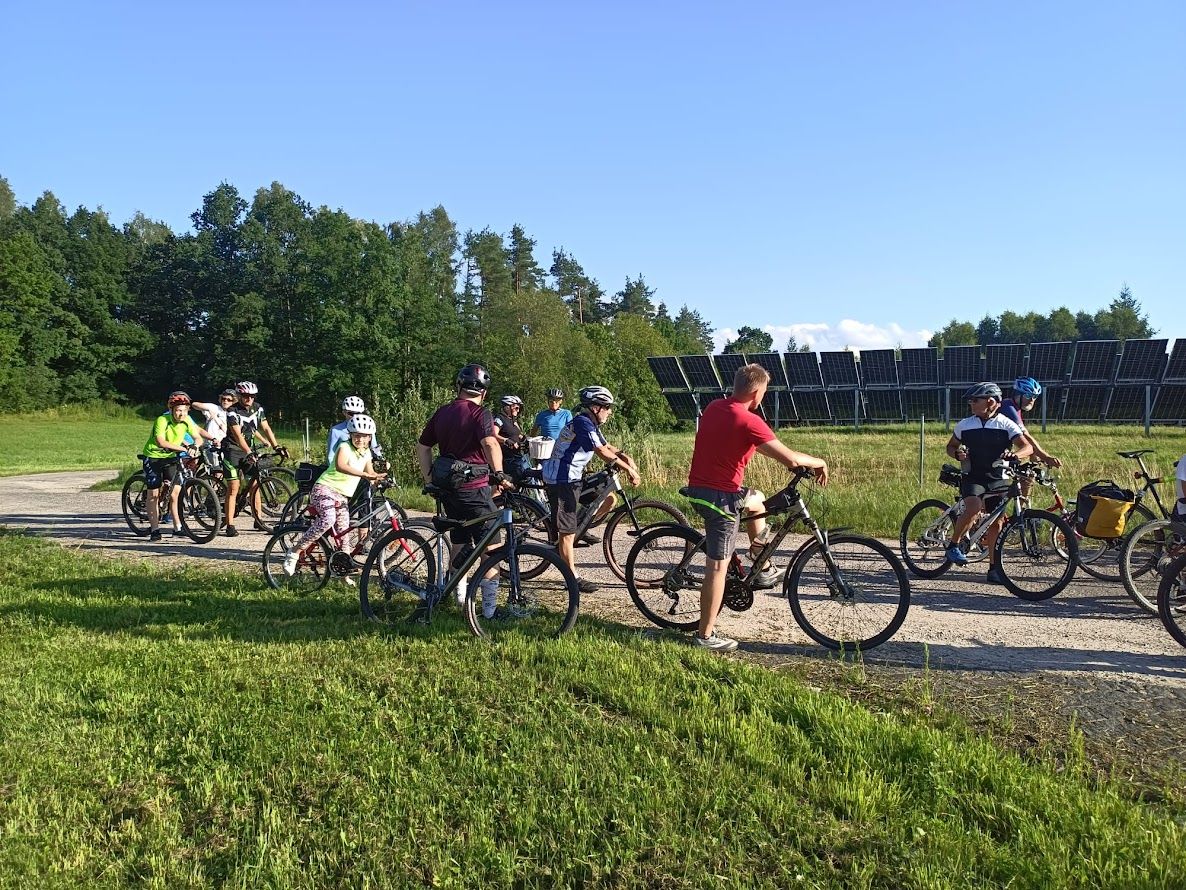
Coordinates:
[343,483]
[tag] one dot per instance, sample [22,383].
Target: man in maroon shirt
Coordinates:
[728,435]
[463,430]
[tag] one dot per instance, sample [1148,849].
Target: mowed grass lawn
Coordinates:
[176,727]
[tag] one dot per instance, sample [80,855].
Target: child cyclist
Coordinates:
[174,434]
[330,498]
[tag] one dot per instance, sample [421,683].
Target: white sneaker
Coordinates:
[769,577]
[716,643]
[290,563]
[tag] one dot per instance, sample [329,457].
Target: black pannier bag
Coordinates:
[307,474]
[1101,509]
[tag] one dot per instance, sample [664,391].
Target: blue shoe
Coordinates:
[957,556]
[995,575]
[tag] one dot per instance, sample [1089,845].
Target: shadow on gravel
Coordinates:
[1095,600]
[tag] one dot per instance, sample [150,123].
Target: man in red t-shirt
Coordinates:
[727,437]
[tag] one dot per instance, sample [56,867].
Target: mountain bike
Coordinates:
[846,591]
[623,524]
[198,506]
[276,485]
[1171,598]
[1147,554]
[408,575]
[1036,550]
[333,554]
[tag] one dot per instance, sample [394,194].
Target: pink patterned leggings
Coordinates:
[330,508]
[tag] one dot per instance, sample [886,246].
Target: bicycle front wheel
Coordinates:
[664,573]
[855,603]
[312,570]
[925,536]
[1171,599]
[1037,554]
[274,493]
[1147,553]
[134,502]
[623,529]
[201,514]
[542,606]
[1101,557]
[295,512]
[399,573]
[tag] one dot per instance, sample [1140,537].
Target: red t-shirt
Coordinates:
[725,441]
[457,429]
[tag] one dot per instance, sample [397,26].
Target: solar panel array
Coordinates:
[1090,380]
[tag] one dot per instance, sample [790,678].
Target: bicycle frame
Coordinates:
[607,489]
[1149,487]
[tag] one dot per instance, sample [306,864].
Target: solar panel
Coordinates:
[1142,361]
[1171,402]
[779,407]
[683,405]
[1128,402]
[961,364]
[727,364]
[772,362]
[1095,361]
[922,402]
[920,366]
[1176,369]
[1048,362]
[812,404]
[839,369]
[699,371]
[879,367]
[803,369]
[1085,402]
[1004,362]
[884,404]
[667,371]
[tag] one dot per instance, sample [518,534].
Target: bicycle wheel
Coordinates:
[396,578]
[1147,553]
[312,572]
[134,502]
[860,605]
[664,573]
[1171,599]
[295,511]
[925,536]
[1032,567]
[274,492]
[531,527]
[1101,557]
[541,607]
[201,514]
[622,529]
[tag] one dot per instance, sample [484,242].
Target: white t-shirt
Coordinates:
[216,423]
[1181,479]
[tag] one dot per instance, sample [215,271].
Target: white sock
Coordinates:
[462,590]
[489,596]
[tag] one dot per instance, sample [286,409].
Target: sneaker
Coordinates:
[178,533]
[154,535]
[995,575]
[716,643]
[956,555]
[231,531]
[290,563]
[768,577]
[348,581]
[587,540]
[260,527]
[584,585]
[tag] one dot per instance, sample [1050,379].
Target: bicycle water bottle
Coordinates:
[965,464]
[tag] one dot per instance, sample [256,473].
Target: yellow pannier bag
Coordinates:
[1102,509]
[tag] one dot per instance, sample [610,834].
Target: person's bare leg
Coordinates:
[232,495]
[712,593]
[564,544]
[972,507]
[154,509]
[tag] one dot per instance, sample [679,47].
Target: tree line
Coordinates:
[312,304]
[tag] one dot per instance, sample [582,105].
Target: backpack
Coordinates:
[1101,509]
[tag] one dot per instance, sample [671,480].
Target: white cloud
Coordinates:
[847,334]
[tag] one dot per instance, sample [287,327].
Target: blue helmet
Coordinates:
[1027,386]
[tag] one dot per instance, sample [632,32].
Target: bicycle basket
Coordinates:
[950,475]
[1101,509]
[306,475]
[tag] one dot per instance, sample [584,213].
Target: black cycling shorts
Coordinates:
[157,469]
[973,485]
[470,503]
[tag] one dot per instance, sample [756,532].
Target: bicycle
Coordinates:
[198,506]
[296,509]
[405,578]
[1171,597]
[327,556]
[1036,550]
[1147,553]
[276,485]
[846,591]
[623,524]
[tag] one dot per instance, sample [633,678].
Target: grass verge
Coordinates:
[178,727]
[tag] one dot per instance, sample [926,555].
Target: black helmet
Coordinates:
[555,393]
[986,390]
[473,378]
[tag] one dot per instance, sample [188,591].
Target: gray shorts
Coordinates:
[721,512]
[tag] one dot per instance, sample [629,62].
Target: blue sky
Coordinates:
[854,173]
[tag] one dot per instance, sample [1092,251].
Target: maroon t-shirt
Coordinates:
[457,430]
[726,439]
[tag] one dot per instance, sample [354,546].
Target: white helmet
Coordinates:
[353,404]
[510,401]
[247,388]
[361,423]
[596,395]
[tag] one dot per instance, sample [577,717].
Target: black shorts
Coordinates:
[564,499]
[157,469]
[978,486]
[466,504]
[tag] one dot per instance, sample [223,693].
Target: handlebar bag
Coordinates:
[1102,508]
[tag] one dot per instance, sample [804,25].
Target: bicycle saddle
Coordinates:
[1132,454]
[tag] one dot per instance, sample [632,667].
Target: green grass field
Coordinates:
[176,727]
